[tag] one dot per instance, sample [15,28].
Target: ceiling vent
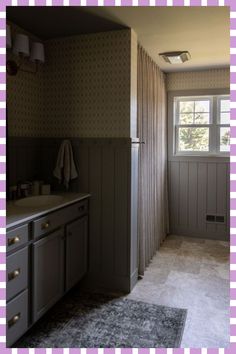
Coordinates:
[175,57]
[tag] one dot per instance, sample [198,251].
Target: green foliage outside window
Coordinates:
[194,139]
[192,113]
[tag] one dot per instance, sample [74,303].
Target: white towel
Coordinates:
[65,166]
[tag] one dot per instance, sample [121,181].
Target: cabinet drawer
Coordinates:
[17,272]
[54,220]
[77,210]
[17,237]
[17,318]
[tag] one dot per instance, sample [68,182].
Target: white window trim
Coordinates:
[214,126]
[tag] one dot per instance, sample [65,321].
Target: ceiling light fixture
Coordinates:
[175,57]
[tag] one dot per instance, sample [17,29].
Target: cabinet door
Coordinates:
[76,251]
[48,272]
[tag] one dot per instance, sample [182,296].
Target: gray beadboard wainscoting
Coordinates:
[197,189]
[198,185]
[108,169]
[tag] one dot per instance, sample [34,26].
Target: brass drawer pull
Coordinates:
[13,320]
[12,241]
[45,225]
[14,274]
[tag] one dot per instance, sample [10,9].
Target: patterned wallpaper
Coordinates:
[207,79]
[88,88]
[84,89]
[88,85]
[133,84]
[24,97]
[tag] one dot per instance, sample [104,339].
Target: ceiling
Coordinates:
[52,22]
[203,31]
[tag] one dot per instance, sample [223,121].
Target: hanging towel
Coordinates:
[65,169]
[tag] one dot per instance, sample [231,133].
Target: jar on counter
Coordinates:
[13,192]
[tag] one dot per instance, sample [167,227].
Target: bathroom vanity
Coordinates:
[46,256]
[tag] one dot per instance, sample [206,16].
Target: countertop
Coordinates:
[17,215]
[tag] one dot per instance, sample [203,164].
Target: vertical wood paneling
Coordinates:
[107,217]
[192,195]
[228,199]
[24,160]
[21,164]
[221,202]
[211,194]
[82,159]
[95,178]
[202,197]
[183,194]
[134,211]
[109,173]
[174,195]
[121,211]
[37,161]
[12,168]
[48,156]
[196,189]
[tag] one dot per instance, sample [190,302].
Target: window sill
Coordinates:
[201,158]
[203,155]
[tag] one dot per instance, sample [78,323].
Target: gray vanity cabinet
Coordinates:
[17,283]
[48,272]
[45,258]
[76,251]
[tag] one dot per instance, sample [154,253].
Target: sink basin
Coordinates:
[39,201]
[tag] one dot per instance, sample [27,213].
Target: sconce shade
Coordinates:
[8,39]
[21,45]
[37,52]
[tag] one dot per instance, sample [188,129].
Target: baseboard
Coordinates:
[133,279]
[110,282]
[200,234]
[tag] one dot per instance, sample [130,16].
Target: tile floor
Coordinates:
[193,274]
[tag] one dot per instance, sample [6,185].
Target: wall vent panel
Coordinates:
[210,218]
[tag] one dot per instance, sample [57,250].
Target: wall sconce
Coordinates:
[21,45]
[21,48]
[8,39]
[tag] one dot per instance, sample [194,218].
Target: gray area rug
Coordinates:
[102,321]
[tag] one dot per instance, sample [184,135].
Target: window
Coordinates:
[202,125]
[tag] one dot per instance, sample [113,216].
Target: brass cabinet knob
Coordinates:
[14,274]
[45,225]
[13,320]
[12,241]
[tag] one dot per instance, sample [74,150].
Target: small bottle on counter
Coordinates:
[18,192]
[13,192]
[24,190]
[45,189]
[36,187]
